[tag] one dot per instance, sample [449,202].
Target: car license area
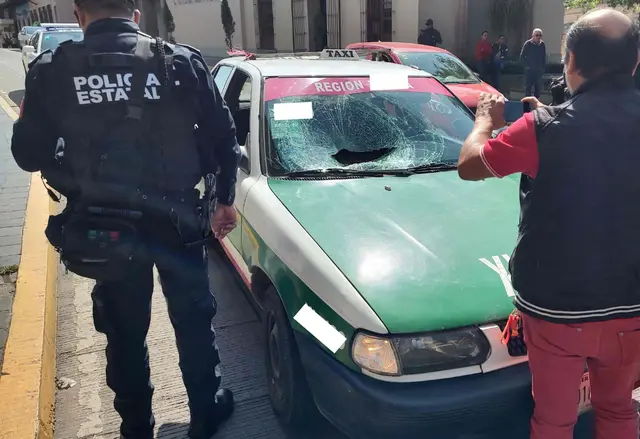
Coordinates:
[584,397]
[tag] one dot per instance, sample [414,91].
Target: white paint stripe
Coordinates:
[320,328]
[627,309]
[234,254]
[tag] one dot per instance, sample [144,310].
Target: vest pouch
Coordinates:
[103,248]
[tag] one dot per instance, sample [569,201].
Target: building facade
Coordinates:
[302,25]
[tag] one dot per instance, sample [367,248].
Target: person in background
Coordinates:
[576,265]
[483,56]
[500,53]
[534,59]
[429,36]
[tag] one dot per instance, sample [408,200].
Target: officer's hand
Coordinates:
[533,102]
[491,110]
[223,220]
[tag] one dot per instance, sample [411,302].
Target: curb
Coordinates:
[27,381]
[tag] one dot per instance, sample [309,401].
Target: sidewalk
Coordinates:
[85,410]
[14,190]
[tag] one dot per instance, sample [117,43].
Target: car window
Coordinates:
[221,75]
[51,40]
[317,123]
[245,92]
[28,30]
[34,40]
[447,68]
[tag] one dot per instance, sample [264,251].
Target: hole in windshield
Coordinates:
[320,123]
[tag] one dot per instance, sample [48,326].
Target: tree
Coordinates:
[228,24]
[589,4]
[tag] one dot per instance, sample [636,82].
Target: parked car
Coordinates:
[42,40]
[441,63]
[25,34]
[378,274]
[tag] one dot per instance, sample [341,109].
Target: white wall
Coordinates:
[444,14]
[283,25]
[549,16]
[64,9]
[199,25]
[405,20]
[248,27]
[350,16]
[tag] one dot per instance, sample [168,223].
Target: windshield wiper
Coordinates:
[427,169]
[468,81]
[329,172]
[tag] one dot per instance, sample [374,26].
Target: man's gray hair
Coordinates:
[537,29]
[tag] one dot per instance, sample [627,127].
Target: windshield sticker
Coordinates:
[500,269]
[320,328]
[389,82]
[339,86]
[293,111]
[278,88]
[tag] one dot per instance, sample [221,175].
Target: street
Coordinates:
[84,402]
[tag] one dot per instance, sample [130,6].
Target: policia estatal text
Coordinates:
[125,126]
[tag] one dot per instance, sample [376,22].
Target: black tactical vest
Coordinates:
[127,125]
[578,252]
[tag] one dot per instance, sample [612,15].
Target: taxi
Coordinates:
[48,38]
[379,275]
[441,63]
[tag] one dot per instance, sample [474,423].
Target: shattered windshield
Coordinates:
[443,66]
[357,124]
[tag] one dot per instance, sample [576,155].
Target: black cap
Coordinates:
[429,22]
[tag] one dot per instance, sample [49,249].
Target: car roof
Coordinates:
[322,67]
[404,47]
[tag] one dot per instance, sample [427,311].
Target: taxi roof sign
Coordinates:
[341,54]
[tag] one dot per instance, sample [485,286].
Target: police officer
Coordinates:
[128,125]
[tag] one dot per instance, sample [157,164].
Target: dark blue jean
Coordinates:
[122,311]
[533,83]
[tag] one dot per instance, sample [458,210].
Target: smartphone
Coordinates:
[514,110]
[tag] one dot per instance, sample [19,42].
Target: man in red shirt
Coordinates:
[576,265]
[484,50]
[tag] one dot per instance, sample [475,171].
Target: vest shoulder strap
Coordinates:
[543,117]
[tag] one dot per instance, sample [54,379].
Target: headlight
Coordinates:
[406,355]
[375,354]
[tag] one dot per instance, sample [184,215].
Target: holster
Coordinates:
[97,242]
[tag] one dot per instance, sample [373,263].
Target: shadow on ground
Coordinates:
[16,96]
[178,430]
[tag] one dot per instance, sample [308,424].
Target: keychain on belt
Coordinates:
[513,335]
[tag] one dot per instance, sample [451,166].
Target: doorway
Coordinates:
[379,18]
[266,35]
[318,32]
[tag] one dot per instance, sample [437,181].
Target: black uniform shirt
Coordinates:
[35,135]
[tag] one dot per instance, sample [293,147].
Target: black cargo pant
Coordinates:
[122,311]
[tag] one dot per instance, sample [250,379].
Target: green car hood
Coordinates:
[424,251]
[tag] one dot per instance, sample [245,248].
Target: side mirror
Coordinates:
[28,49]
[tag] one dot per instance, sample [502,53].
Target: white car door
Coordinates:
[34,42]
[242,95]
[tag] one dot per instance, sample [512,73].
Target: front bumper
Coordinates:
[494,405]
